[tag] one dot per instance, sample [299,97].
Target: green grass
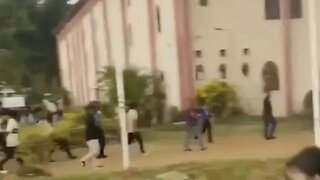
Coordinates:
[219,170]
[233,126]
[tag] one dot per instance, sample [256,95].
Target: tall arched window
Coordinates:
[223,71]
[270,75]
[199,72]
[245,69]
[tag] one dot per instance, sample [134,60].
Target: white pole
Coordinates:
[314,69]
[122,116]
[119,67]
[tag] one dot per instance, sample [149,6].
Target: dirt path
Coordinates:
[169,153]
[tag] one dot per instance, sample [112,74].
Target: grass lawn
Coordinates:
[235,127]
[219,170]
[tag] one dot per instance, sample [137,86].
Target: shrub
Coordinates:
[140,88]
[218,95]
[35,143]
[308,104]
[107,110]
[175,115]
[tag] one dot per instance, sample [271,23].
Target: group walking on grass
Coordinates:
[198,121]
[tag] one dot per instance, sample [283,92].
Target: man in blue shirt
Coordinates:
[205,116]
[102,139]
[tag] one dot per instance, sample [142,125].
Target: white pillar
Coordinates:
[314,69]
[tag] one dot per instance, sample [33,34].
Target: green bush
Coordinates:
[107,110]
[35,143]
[218,95]
[175,115]
[139,88]
[308,104]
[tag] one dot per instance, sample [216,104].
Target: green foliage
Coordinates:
[107,110]
[7,60]
[135,85]
[26,32]
[138,89]
[308,104]
[175,115]
[36,141]
[218,95]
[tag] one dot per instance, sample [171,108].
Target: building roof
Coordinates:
[77,7]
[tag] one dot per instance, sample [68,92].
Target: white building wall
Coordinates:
[139,42]
[100,37]
[89,48]
[301,58]
[244,26]
[72,70]
[116,30]
[63,63]
[167,57]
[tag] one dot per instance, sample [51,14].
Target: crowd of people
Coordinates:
[197,120]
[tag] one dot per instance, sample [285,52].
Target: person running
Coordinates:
[102,139]
[59,142]
[12,139]
[132,127]
[91,135]
[193,128]
[52,109]
[270,122]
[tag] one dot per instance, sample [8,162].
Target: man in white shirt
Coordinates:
[53,116]
[132,127]
[12,139]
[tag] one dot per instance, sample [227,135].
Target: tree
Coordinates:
[135,85]
[138,89]
[7,60]
[26,31]
[218,95]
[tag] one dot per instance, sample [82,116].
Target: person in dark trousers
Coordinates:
[91,136]
[12,139]
[205,117]
[194,126]
[102,139]
[63,145]
[268,118]
[132,127]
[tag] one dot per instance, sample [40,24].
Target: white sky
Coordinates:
[72,2]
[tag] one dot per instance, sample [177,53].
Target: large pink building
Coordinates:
[152,35]
[192,42]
